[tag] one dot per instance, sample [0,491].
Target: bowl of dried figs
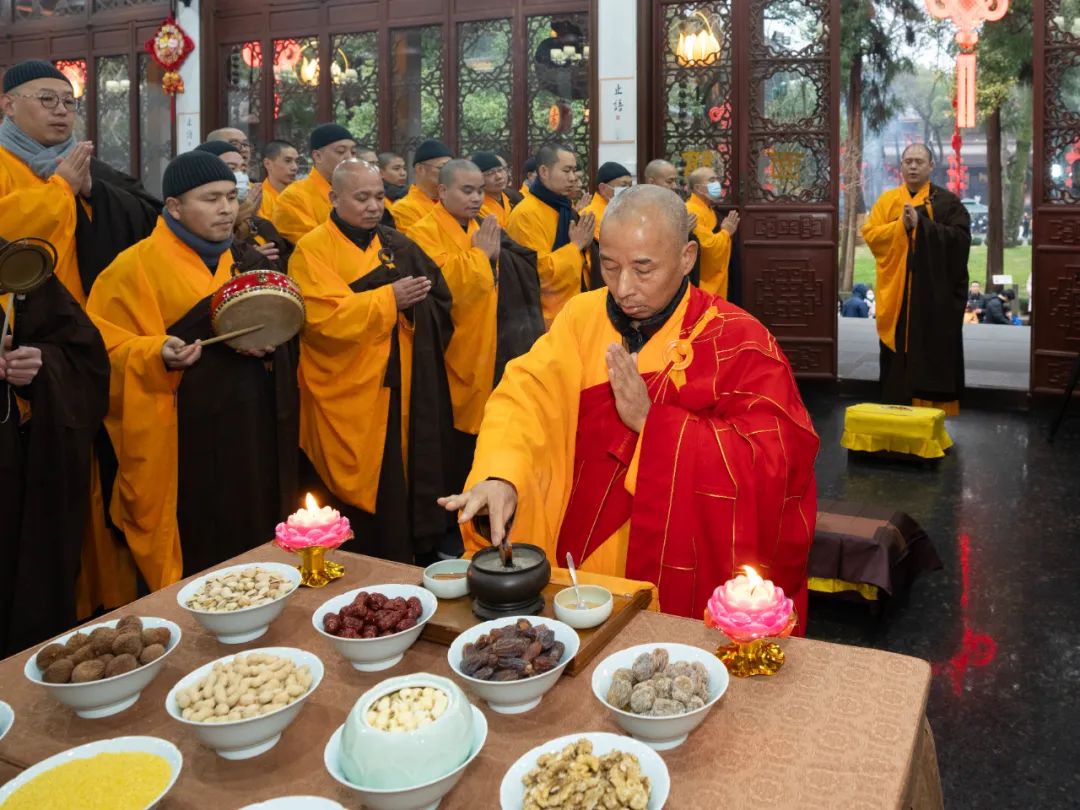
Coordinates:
[101,669]
[238,603]
[511,663]
[373,627]
[660,693]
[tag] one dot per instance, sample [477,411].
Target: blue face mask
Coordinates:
[715,190]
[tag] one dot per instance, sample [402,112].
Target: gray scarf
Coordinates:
[40,159]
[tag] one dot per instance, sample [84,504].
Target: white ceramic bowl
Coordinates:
[296,803]
[246,624]
[586,617]
[382,760]
[108,696]
[377,654]
[512,791]
[514,697]
[447,588]
[243,739]
[422,797]
[7,719]
[118,745]
[661,733]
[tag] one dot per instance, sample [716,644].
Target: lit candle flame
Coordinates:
[753,577]
[311,503]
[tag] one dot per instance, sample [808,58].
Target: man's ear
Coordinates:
[689,256]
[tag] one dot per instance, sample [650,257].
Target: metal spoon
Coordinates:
[573,578]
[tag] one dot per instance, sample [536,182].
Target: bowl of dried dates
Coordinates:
[373,627]
[511,663]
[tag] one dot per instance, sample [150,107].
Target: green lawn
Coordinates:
[1017,264]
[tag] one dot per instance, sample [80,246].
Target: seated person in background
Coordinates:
[856,306]
[655,432]
[998,307]
[976,300]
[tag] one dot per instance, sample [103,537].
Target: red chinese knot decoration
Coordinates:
[967,16]
[170,46]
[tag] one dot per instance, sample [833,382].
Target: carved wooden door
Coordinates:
[763,110]
[1056,195]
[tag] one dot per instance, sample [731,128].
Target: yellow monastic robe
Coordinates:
[715,247]
[269,200]
[576,344]
[344,352]
[412,208]
[149,286]
[470,357]
[302,207]
[533,224]
[30,206]
[501,208]
[525,192]
[597,205]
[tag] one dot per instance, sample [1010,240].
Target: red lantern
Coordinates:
[251,53]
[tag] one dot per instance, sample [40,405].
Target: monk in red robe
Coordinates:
[656,431]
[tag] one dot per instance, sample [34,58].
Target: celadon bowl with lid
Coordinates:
[374,758]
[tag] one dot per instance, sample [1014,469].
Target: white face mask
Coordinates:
[715,190]
[617,190]
[243,184]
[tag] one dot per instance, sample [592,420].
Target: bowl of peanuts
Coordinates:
[239,705]
[238,603]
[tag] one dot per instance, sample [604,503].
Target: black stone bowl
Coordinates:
[500,591]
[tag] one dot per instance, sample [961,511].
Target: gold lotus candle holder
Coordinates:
[752,613]
[311,532]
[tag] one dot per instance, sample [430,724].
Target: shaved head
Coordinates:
[662,173]
[701,176]
[351,171]
[461,189]
[357,193]
[227,134]
[450,169]
[919,146]
[663,209]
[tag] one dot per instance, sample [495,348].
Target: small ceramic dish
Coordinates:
[598,605]
[447,588]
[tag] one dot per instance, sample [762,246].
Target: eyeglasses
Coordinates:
[50,100]
[495,171]
[243,146]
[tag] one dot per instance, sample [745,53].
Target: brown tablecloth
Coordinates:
[837,727]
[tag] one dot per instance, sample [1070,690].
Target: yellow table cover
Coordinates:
[871,427]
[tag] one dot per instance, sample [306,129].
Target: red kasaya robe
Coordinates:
[722,475]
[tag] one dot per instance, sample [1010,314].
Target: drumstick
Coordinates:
[247,330]
[7,320]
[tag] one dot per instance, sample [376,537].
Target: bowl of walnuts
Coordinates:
[238,603]
[373,627]
[101,669]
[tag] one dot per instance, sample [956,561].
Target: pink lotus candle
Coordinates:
[747,608]
[312,526]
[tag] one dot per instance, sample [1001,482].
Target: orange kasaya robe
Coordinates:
[922,274]
[269,200]
[500,208]
[525,191]
[411,208]
[30,206]
[470,357]
[721,476]
[597,205]
[533,224]
[302,207]
[715,253]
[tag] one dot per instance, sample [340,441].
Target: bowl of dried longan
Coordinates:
[238,603]
[101,669]
[241,704]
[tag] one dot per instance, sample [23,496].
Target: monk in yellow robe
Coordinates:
[920,235]
[305,205]
[529,170]
[280,163]
[395,176]
[662,173]
[375,414]
[496,201]
[545,221]
[428,160]
[611,179]
[655,432]
[53,188]
[235,137]
[496,295]
[205,437]
[713,235]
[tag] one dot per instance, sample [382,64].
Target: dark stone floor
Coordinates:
[1005,647]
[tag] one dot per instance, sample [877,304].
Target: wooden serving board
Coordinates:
[455,615]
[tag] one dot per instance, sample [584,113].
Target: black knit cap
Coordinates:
[486,161]
[326,134]
[28,71]
[611,171]
[430,150]
[218,148]
[191,170]
[530,165]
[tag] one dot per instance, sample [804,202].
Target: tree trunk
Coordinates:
[852,170]
[1014,205]
[995,233]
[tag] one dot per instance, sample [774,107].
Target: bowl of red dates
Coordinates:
[372,627]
